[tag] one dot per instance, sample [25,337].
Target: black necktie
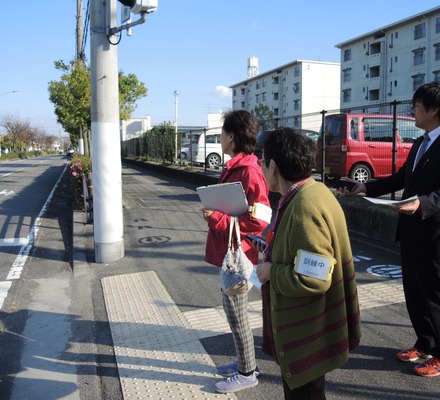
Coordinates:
[422,148]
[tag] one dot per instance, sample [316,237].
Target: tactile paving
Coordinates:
[212,321]
[157,347]
[158,354]
[380,293]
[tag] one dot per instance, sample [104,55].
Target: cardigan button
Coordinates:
[288,375]
[281,353]
[272,308]
[274,330]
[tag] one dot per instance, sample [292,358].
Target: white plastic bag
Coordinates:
[236,267]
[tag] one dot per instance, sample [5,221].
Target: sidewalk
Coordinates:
[158,348]
[166,350]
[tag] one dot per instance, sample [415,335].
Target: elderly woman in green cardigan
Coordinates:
[311,314]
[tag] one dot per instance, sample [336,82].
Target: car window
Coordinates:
[378,129]
[408,131]
[354,129]
[334,129]
[210,139]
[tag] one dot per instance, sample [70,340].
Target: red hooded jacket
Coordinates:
[243,168]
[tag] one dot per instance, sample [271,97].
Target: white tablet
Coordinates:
[228,198]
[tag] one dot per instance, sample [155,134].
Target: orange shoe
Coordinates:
[412,354]
[429,368]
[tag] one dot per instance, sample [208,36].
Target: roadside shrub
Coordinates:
[80,166]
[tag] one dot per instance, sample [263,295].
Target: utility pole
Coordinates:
[106,154]
[80,56]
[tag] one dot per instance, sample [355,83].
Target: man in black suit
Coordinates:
[419,230]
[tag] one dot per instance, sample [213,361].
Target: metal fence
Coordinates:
[161,148]
[390,141]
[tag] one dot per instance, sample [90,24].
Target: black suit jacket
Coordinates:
[420,231]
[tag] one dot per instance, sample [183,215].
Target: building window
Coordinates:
[420,31]
[295,87]
[276,80]
[275,96]
[346,95]
[234,92]
[296,105]
[257,85]
[296,71]
[437,52]
[437,25]
[375,48]
[375,72]
[365,92]
[263,82]
[296,122]
[346,75]
[418,80]
[242,105]
[257,98]
[263,97]
[243,90]
[436,76]
[419,57]
[347,54]
[374,94]
[275,112]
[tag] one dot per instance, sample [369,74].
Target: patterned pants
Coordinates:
[236,310]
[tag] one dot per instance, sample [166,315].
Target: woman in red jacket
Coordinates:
[238,140]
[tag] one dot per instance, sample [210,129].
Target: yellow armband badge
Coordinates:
[261,211]
[314,265]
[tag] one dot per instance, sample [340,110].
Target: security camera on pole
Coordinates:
[106,154]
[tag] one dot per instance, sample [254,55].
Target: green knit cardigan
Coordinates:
[313,321]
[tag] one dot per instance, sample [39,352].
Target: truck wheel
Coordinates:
[213,160]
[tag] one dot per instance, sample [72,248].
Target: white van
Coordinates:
[213,155]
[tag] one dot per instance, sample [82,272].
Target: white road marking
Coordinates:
[14,242]
[10,173]
[20,260]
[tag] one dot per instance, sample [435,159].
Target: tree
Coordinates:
[71,97]
[264,115]
[130,91]
[18,132]
[72,100]
[160,141]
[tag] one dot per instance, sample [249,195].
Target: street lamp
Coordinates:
[12,91]
[176,103]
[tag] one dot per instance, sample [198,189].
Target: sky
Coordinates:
[196,47]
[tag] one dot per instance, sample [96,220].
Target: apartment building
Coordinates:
[390,63]
[296,93]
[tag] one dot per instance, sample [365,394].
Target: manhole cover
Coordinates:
[155,240]
[388,271]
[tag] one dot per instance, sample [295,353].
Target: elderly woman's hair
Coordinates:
[293,152]
[244,126]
